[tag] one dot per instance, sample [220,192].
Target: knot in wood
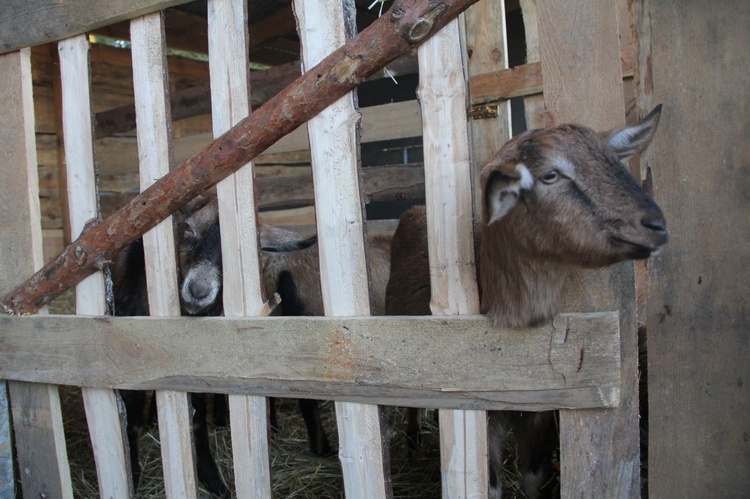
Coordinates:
[423,26]
[80,255]
[396,14]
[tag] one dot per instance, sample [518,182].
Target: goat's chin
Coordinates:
[632,250]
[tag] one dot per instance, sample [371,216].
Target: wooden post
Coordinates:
[154,125]
[442,92]
[334,147]
[102,413]
[697,315]
[242,291]
[582,72]
[39,440]
[487,46]
[533,104]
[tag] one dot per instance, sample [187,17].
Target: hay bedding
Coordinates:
[296,472]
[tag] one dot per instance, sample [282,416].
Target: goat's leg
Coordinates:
[413,426]
[208,473]
[315,432]
[536,440]
[221,410]
[135,414]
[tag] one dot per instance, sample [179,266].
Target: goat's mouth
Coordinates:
[636,250]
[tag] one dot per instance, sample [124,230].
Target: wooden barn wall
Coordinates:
[698,325]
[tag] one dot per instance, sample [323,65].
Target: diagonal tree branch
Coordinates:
[405,26]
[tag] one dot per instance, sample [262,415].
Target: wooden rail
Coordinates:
[442,362]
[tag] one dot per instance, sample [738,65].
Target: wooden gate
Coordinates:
[574,63]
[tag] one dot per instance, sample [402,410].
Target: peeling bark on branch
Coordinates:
[407,24]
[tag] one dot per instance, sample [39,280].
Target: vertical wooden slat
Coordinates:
[442,93]
[153,120]
[102,414]
[698,321]
[580,57]
[487,46]
[39,438]
[334,144]
[243,295]
[533,104]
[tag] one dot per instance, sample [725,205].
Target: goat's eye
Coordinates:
[550,177]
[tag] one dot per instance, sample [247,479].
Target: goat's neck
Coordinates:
[517,290]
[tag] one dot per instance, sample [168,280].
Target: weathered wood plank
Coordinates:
[522,81]
[102,412]
[334,147]
[448,196]
[242,291]
[533,104]
[487,47]
[450,361]
[119,155]
[151,91]
[697,319]
[384,122]
[39,438]
[580,58]
[33,22]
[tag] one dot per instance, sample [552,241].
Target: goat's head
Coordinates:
[199,251]
[199,254]
[564,195]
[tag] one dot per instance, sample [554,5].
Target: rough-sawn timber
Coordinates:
[456,362]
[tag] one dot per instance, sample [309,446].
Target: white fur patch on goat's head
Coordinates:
[564,166]
[502,190]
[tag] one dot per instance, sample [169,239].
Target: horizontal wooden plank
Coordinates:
[384,122]
[25,23]
[523,80]
[456,362]
[117,155]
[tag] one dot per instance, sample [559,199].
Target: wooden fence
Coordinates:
[347,356]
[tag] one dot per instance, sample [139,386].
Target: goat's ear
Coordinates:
[502,190]
[275,239]
[634,138]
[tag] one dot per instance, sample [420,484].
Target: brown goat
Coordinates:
[553,200]
[295,276]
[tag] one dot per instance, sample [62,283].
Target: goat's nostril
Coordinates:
[199,290]
[655,223]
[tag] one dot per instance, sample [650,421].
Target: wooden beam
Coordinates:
[580,58]
[697,315]
[243,293]
[453,283]
[335,152]
[458,361]
[151,90]
[409,23]
[38,437]
[102,411]
[32,22]
[381,183]
[187,31]
[195,101]
[523,80]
